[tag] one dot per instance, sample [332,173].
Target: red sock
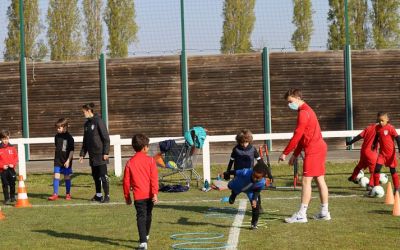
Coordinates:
[356,171]
[395,178]
[371,177]
[376,179]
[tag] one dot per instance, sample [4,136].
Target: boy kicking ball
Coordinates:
[251,182]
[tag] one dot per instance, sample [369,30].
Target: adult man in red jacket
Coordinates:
[307,136]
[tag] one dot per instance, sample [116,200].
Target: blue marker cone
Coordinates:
[225,199]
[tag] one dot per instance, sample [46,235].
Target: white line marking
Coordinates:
[234,233]
[172,201]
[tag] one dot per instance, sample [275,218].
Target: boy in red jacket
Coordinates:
[141,176]
[8,161]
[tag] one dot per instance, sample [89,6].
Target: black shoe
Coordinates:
[13,199]
[7,202]
[232,199]
[254,227]
[96,198]
[352,180]
[106,199]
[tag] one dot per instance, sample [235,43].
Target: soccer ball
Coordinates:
[364,181]
[383,178]
[360,175]
[378,191]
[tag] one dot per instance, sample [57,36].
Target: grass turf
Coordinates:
[357,222]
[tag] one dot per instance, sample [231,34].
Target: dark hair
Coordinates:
[261,168]
[293,93]
[381,113]
[243,136]
[62,122]
[88,106]
[139,141]
[4,134]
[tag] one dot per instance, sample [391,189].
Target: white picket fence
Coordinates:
[116,141]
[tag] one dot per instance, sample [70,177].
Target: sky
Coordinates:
[160,33]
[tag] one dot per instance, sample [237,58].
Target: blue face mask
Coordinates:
[293,106]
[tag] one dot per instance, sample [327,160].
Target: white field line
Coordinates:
[234,233]
[176,201]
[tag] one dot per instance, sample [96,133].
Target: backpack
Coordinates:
[196,136]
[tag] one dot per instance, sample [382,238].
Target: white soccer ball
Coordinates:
[360,175]
[364,181]
[383,178]
[378,191]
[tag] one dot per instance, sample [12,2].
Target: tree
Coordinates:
[64,34]
[34,48]
[93,28]
[238,25]
[385,23]
[302,19]
[358,17]
[122,28]
[336,18]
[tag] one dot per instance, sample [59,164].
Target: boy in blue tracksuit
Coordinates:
[251,182]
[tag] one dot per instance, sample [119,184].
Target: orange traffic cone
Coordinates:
[396,207]
[2,216]
[159,160]
[389,195]
[22,200]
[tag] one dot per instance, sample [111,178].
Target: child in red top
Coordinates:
[368,154]
[385,134]
[141,176]
[8,161]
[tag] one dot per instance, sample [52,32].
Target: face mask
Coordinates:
[293,106]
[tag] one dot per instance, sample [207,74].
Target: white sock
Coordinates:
[99,194]
[324,209]
[303,209]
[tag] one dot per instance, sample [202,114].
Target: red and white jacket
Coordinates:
[8,156]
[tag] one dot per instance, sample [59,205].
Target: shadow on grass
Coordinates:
[380,211]
[186,222]
[60,197]
[65,235]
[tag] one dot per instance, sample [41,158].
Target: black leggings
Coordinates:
[144,209]
[378,169]
[8,178]
[99,174]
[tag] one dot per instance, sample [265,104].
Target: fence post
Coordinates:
[206,161]
[103,87]
[184,74]
[23,79]
[116,141]
[267,94]
[348,74]
[21,159]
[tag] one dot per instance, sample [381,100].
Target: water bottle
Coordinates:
[206,184]
[219,177]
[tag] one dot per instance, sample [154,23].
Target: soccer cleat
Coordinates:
[106,199]
[369,188]
[352,180]
[53,197]
[142,245]
[13,199]
[296,218]
[97,198]
[68,197]
[232,198]
[369,194]
[254,227]
[320,216]
[7,202]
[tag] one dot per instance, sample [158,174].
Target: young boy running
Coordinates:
[141,176]
[63,155]
[251,182]
[386,133]
[368,154]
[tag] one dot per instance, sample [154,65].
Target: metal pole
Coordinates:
[348,74]
[184,74]
[23,79]
[267,94]
[103,87]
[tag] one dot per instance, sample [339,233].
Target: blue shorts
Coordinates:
[62,170]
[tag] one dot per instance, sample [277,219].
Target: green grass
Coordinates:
[357,222]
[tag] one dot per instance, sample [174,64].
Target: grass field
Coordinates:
[357,222]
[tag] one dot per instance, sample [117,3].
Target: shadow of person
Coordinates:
[91,238]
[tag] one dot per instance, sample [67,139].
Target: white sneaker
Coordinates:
[142,246]
[321,216]
[296,218]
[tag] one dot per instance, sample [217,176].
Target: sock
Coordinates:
[371,180]
[355,172]
[68,186]
[303,210]
[99,194]
[376,179]
[324,209]
[56,183]
[395,178]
